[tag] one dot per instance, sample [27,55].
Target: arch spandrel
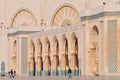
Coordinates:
[94,36]
[73,42]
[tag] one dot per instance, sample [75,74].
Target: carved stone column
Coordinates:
[55,65]
[47,64]
[32,66]
[74,64]
[64,64]
[39,65]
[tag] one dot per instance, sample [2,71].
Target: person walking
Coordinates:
[69,73]
[12,76]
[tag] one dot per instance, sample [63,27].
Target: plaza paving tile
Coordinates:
[64,78]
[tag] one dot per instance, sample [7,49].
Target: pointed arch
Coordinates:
[94,36]
[93,56]
[65,62]
[74,43]
[55,60]
[74,55]
[47,59]
[65,44]
[55,45]
[39,57]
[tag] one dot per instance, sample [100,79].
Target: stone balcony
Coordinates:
[38,30]
[56,30]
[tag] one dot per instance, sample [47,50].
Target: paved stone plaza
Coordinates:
[65,78]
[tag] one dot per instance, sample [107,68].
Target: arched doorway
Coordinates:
[39,59]
[47,61]
[65,62]
[14,56]
[2,68]
[74,55]
[93,54]
[56,66]
[32,59]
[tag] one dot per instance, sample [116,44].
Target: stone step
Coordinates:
[64,78]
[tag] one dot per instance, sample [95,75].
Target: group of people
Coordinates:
[12,73]
[69,73]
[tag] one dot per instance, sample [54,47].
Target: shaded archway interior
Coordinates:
[39,56]
[47,60]
[94,45]
[32,59]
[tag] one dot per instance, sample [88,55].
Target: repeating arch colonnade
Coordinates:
[59,52]
[56,57]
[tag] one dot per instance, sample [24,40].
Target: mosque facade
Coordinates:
[38,36]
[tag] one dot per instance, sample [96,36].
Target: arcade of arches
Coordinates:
[52,51]
[55,57]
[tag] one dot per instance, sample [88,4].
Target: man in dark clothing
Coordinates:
[12,73]
[69,73]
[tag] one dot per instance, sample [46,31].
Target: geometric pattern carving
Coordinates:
[66,16]
[112,49]
[23,18]
[24,54]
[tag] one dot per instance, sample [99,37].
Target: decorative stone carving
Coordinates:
[24,18]
[66,16]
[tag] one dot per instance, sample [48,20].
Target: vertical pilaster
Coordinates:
[83,53]
[101,49]
[85,48]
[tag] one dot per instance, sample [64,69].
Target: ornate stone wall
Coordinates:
[64,29]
